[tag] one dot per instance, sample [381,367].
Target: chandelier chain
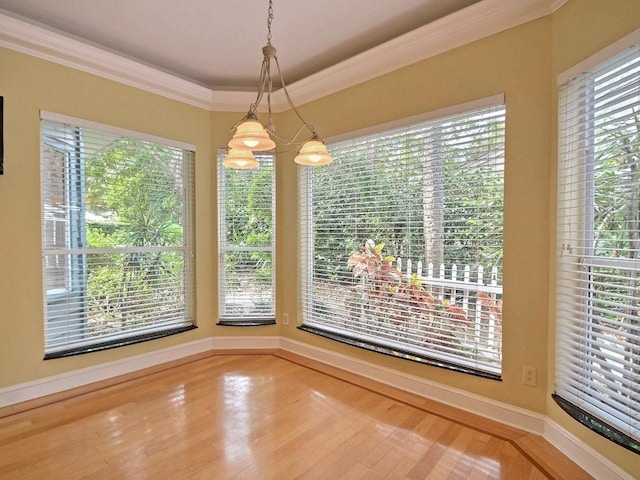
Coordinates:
[269,20]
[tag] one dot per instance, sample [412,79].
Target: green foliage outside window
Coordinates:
[133,199]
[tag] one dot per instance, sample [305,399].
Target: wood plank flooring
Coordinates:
[259,417]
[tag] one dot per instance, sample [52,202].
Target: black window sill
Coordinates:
[246,322]
[598,426]
[406,355]
[120,342]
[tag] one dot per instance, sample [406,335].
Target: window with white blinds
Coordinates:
[117,226]
[402,242]
[598,251]
[246,242]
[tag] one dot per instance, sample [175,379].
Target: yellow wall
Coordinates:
[522,63]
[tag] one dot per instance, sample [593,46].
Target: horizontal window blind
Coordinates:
[598,262]
[117,225]
[402,241]
[246,203]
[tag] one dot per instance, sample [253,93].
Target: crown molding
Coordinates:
[230,101]
[39,42]
[477,21]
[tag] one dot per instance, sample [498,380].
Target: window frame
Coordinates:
[244,320]
[54,128]
[306,251]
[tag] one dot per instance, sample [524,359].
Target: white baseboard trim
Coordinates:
[598,466]
[498,411]
[58,383]
[245,343]
[85,376]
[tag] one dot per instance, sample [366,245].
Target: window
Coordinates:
[402,241]
[117,227]
[246,202]
[598,251]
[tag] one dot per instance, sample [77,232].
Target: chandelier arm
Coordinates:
[269,85]
[290,102]
[294,140]
[264,78]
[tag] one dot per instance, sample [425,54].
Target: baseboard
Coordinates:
[78,378]
[598,466]
[503,413]
[228,344]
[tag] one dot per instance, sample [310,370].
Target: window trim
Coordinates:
[119,342]
[113,130]
[460,108]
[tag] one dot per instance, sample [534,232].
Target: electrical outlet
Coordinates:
[285,319]
[529,375]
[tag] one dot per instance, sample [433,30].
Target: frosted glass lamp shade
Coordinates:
[240,159]
[251,135]
[313,153]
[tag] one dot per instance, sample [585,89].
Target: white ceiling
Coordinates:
[217,43]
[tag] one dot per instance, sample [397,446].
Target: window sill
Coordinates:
[596,425]
[386,350]
[246,322]
[120,342]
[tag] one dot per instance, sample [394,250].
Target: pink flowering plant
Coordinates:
[386,295]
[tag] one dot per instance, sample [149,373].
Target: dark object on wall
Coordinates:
[1,136]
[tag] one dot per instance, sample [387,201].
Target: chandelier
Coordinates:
[252,136]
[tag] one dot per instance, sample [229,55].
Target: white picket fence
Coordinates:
[476,291]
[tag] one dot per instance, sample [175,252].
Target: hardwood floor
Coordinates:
[268,416]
